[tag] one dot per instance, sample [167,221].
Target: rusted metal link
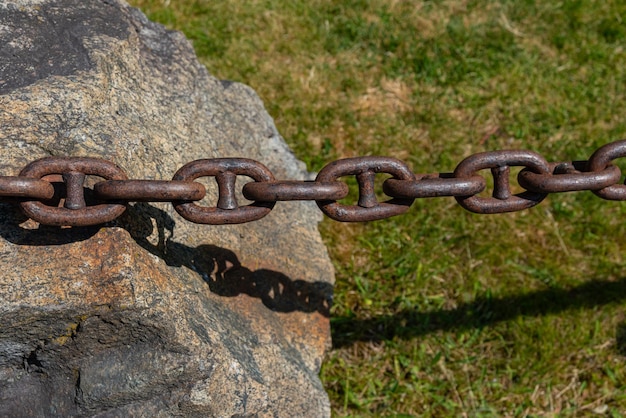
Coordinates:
[365,169]
[294,190]
[225,171]
[74,194]
[149,190]
[434,185]
[569,177]
[500,162]
[44,184]
[75,212]
[14,186]
[600,160]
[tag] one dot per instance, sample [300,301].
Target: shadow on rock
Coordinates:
[221,269]
[11,229]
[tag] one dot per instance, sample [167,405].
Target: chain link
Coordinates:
[601,159]
[225,171]
[51,190]
[368,207]
[500,162]
[75,211]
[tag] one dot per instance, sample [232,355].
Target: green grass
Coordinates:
[441,312]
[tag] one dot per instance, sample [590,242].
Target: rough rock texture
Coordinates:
[150,315]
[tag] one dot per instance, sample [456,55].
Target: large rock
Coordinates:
[149,315]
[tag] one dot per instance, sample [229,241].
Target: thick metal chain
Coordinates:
[43,184]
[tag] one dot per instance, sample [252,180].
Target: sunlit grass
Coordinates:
[441,312]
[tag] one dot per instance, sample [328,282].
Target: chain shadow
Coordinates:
[226,276]
[221,269]
[11,219]
[481,312]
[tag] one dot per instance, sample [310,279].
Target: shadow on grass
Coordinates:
[479,313]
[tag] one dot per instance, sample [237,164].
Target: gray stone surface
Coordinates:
[150,315]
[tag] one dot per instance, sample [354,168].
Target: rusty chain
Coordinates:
[52,190]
